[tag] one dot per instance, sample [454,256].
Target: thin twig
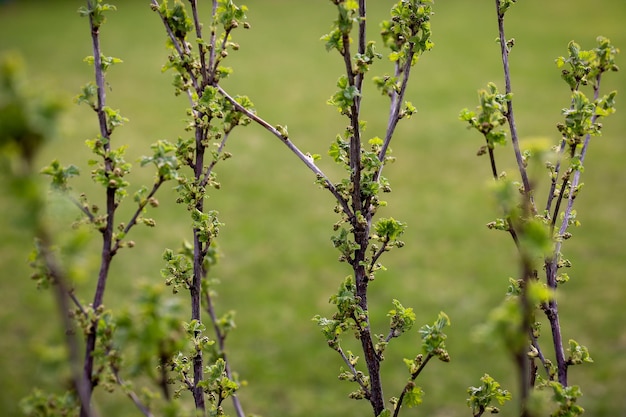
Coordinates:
[377,255]
[308,161]
[201,46]
[209,170]
[81,207]
[212,41]
[540,355]
[396,104]
[408,386]
[221,338]
[133,220]
[362,39]
[218,58]
[354,372]
[554,180]
[131,394]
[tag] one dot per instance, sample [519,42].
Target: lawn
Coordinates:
[278,267]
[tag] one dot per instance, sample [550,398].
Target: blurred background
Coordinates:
[278,267]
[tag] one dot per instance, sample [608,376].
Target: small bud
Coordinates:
[131,243]
[224,54]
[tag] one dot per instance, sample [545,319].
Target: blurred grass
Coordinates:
[279,267]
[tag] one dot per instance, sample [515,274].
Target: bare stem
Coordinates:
[308,161]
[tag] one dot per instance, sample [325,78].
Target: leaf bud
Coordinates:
[224,54]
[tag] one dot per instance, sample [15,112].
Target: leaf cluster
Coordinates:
[490,117]
[408,33]
[482,397]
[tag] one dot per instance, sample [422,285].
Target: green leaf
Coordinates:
[60,174]
[413,396]
[505,5]
[388,230]
[433,338]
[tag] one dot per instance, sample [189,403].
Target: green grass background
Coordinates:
[279,268]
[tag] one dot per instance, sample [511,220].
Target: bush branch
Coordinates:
[397,99]
[133,220]
[221,338]
[107,233]
[409,385]
[504,49]
[307,160]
